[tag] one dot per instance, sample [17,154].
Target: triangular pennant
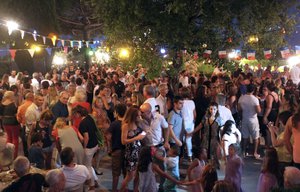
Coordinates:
[12,53]
[66,49]
[44,39]
[267,53]
[62,43]
[22,34]
[31,52]
[79,44]
[251,55]
[207,53]
[222,54]
[71,43]
[87,44]
[285,52]
[34,35]
[49,50]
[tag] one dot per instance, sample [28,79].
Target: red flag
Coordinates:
[196,55]
[207,53]
[12,53]
[268,53]
[222,54]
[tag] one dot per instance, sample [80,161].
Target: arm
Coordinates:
[191,167]
[257,109]
[288,135]
[197,128]
[164,174]
[166,138]
[177,141]
[124,135]
[85,139]
[269,100]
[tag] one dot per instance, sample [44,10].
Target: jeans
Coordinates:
[89,153]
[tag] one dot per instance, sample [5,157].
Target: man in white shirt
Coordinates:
[76,175]
[149,94]
[184,79]
[224,112]
[295,74]
[161,100]
[35,83]
[249,106]
[12,79]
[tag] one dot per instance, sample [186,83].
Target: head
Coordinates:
[145,158]
[163,89]
[148,91]
[60,123]
[64,97]
[185,93]
[56,180]
[233,149]
[283,118]
[291,177]
[21,166]
[221,99]
[8,95]
[199,152]
[37,138]
[251,88]
[174,151]
[116,77]
[13,73]
[38,99]
[209,177]
[131,116]
[146,111]
[178,103]
[120,110]
[46,117]
[213,109]
[223,186]
[79,111]
[29,96]
[67,156]
[270,162]
[80,96]
[97,103]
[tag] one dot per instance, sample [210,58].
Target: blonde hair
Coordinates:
[60,123]
[8,95]
[80,96]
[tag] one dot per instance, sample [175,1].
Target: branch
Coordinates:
[70,22]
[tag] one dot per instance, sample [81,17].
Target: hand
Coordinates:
[265,120]
[179,182]
[178,143]
[140,136]
[167,146]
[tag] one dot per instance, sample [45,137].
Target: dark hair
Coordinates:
[13,87]
[250,88]
[177,98]
[145,159]
[185,92]
[290,97]
[224,186]
[120,109]
[215,105]
[131,115]
[47,115]
[197,151]
[36,137]
[270,163]
[45,85]
[176,150]
[78,81]
[81,110]
[271,86]
[209,177]
[66,156]
[227,128]
[284,116]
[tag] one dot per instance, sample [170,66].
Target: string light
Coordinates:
[11,26]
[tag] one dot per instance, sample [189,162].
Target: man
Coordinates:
[29,97]
[60,108]
[184,79]
[292,178]
[259,72]
[249,106]
[56,180]
[161,100]
[247,69]
[224,112]
[176,122]
[118,85]
[156,127]
[35,83]
[118,150]
[32,114]
[45,92]
[26,181]
[149,94]
[295,74]
[76,175]
[12,79]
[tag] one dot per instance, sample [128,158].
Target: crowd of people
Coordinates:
[69,119]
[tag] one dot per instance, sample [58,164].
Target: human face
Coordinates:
[39,101]
[145,113]
[178,105]
[64,98]
[213,110]
[231,151]
[164,91]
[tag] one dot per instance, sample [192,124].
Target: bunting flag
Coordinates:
[62,43]
[285,52]
[79,44]
[207,53]
[195,56]
[238,54]
[12,53]
[71,43]
[297,49]
[87,44]
[31,52]
[22,34]
[34,36]
[66,49]
[251,55]
[49,50]
[267,53]
[44,40]
[222,54]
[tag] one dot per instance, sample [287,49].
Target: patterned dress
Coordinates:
[132,151]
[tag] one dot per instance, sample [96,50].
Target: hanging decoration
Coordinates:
[267,53]
[79,44]
[207,53]
[72,44]
[62,43]
[31,52]
[34,35]
[54,40]
[222,54]
[12,53]
[66,49]
[22,34]
[196,56]
[251,55]
[11,26]
[44,40]
[285,52]
[297,49]
[49,50]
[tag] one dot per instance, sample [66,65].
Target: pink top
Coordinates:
[196,173]
[266,182]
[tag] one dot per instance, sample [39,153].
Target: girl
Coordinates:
[229,135]
[196,168]
[233,172]
[268,176]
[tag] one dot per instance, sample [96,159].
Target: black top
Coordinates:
[119,88]
[9,114]
[35,155]
[27,183]
[46,133]
[116,131]
[88,125]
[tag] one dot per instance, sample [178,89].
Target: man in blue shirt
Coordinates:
[60,108]
[176,122]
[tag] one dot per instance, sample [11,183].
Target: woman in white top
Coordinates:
[188,112]
[229,135]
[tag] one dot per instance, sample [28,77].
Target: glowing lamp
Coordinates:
[124,53]
[11,26]
[292,61]
[162,51]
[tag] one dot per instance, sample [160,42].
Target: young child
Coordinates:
[35,153]
[233,172]
[195,169]
[146,169]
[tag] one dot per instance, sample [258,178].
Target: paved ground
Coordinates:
[249,180]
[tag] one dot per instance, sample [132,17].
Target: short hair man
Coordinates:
[56,180]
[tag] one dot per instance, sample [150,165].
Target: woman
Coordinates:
[130,137]
[188,112]
[232,102]
[209,127]
[80,100]
[66,136]
[269,173]
[229,137]
[88,129]
[5,82]
[8,110]
[271,109]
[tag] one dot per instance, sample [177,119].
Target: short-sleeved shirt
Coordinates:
[88,125]
[35,155]
[27,183]
[115,130]
[188,114]
[248,104]
[75,176]
[175,119]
